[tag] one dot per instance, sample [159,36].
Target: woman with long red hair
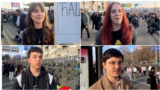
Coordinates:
[116,29]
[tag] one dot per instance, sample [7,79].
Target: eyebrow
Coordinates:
[36,55]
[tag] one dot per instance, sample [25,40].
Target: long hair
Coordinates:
[106,35]
[30,29]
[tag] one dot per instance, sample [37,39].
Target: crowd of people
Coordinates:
[34,24]
[12,69]
[154,75]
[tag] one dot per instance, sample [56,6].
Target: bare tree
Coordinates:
[7,57]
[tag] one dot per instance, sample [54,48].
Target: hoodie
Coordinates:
[39,82]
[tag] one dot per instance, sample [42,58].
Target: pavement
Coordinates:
[143,38]
[6,84]
[140,82]
[9,33]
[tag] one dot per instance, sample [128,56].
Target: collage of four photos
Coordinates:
[87,45]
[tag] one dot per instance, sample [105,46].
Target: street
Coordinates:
[140,82]
[9,33]
[143,38]
[6,84]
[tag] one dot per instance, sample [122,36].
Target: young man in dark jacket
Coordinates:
[35,77]
[84,23]
[135,21]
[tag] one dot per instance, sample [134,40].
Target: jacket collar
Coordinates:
[107,85]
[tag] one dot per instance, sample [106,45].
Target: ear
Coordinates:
[29,60]
[104,65]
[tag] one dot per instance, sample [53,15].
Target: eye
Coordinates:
[119,11]
[35,11]
[113,11]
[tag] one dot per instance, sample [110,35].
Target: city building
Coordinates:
[93,6]
[50,52]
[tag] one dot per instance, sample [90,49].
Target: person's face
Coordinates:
[113,66]
[35,60]
[116,14]
[38,15]
[152,70]
[81,11]
[151,21]
[2,13]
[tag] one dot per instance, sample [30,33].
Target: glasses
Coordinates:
[113,63]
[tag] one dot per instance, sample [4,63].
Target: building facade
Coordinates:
[50,52]
[89,6]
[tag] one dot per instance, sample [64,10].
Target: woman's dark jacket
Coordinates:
[153,80]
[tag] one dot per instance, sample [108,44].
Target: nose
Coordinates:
[40,13]
[38,59]
[117,65]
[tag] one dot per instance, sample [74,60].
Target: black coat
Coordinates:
[153,80]
[12,68]
[97,22]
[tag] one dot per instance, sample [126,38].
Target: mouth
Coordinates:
[39,18]
[117,18]
[38,64]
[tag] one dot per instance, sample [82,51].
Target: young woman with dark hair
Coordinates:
[38,30]
[116,29]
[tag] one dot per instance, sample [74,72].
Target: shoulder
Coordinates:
[18,78]
[98,37]
[97,85]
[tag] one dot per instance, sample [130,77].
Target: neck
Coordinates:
[113,81]
[34,71]
[38,25]
[116,27]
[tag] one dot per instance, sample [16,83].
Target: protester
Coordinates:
[114,24]
[21,23]
[93,21]
[144,70]
[84,23]
[38,30]
[51,17]
[11,71]
[153,79]
[158,76]
[5,68]
[35,77]
[153,27]
[2,22]
[112,61]
[134,71]
[14,18]
[97,21]
[139,69]
[129,71]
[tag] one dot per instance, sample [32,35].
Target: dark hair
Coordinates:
[34,49]
[17,10]
[153,68]
[30,29]
[111,53]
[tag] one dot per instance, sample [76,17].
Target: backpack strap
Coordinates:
[21,80]
[49,79]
